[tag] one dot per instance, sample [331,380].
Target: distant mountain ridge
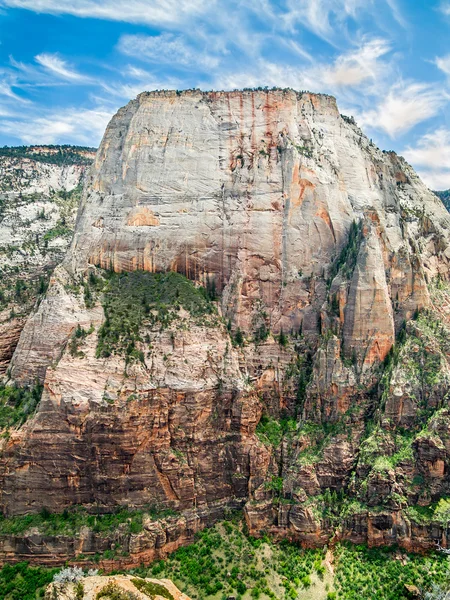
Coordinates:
[40,189]
[444,195]
[58,155]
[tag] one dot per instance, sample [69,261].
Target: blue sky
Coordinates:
[67,65]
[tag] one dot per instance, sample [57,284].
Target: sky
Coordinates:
[66,66]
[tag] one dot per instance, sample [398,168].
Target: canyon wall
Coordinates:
[325,262]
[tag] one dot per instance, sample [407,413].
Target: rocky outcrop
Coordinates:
[154,541]
[313,247]
[123,586]
[369,323]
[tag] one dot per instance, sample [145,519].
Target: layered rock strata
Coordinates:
[319,247]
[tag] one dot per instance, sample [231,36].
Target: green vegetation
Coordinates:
[271,431]
[79,590]
[346,260]
[78,336]
[151,589]
[225,561]
[22,582]
[60,230]
[238,338]
[381,573]
[436,512]
[17,404]
[283,339]
[132,300]
[420,352]
[56,155]
[112,591]
[71,521]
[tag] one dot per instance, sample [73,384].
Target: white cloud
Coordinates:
[6,90]
[165,48]
[350,70]
[78,126]
[316,15]
[432,149]
[59,67]
[404,106]
[443,63]
[397,13]
[435,180]
[355,67]
[149,12]
[432,157]
[138,80]
[445,8]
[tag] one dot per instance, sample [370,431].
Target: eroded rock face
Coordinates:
[256,191]
[319,246]
[89,587]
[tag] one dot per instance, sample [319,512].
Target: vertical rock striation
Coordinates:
[319,247]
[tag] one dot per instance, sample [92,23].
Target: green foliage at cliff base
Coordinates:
[225,561]
[381,573]
[22,582]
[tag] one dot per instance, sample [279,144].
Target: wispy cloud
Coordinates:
[443,63]
[59,67]
[6,90]
[355,67]
[349,71]
[81,126]
[136,80]
[431,156]
[149,12]
[166,48]
[432,150]
[321,16]
[403,107]
[445,8]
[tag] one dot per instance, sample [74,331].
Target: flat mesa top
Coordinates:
[231,93]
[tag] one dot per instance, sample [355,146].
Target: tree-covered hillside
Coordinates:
[57,155]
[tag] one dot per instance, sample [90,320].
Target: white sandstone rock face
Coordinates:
[246,188]
[256,191]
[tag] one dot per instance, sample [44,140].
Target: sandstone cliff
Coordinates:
[324,263]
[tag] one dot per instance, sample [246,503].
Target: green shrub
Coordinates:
[112,591]
[79,591]
[137,298]
[17,404]
[238,339]
[22,582]
[152,589]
